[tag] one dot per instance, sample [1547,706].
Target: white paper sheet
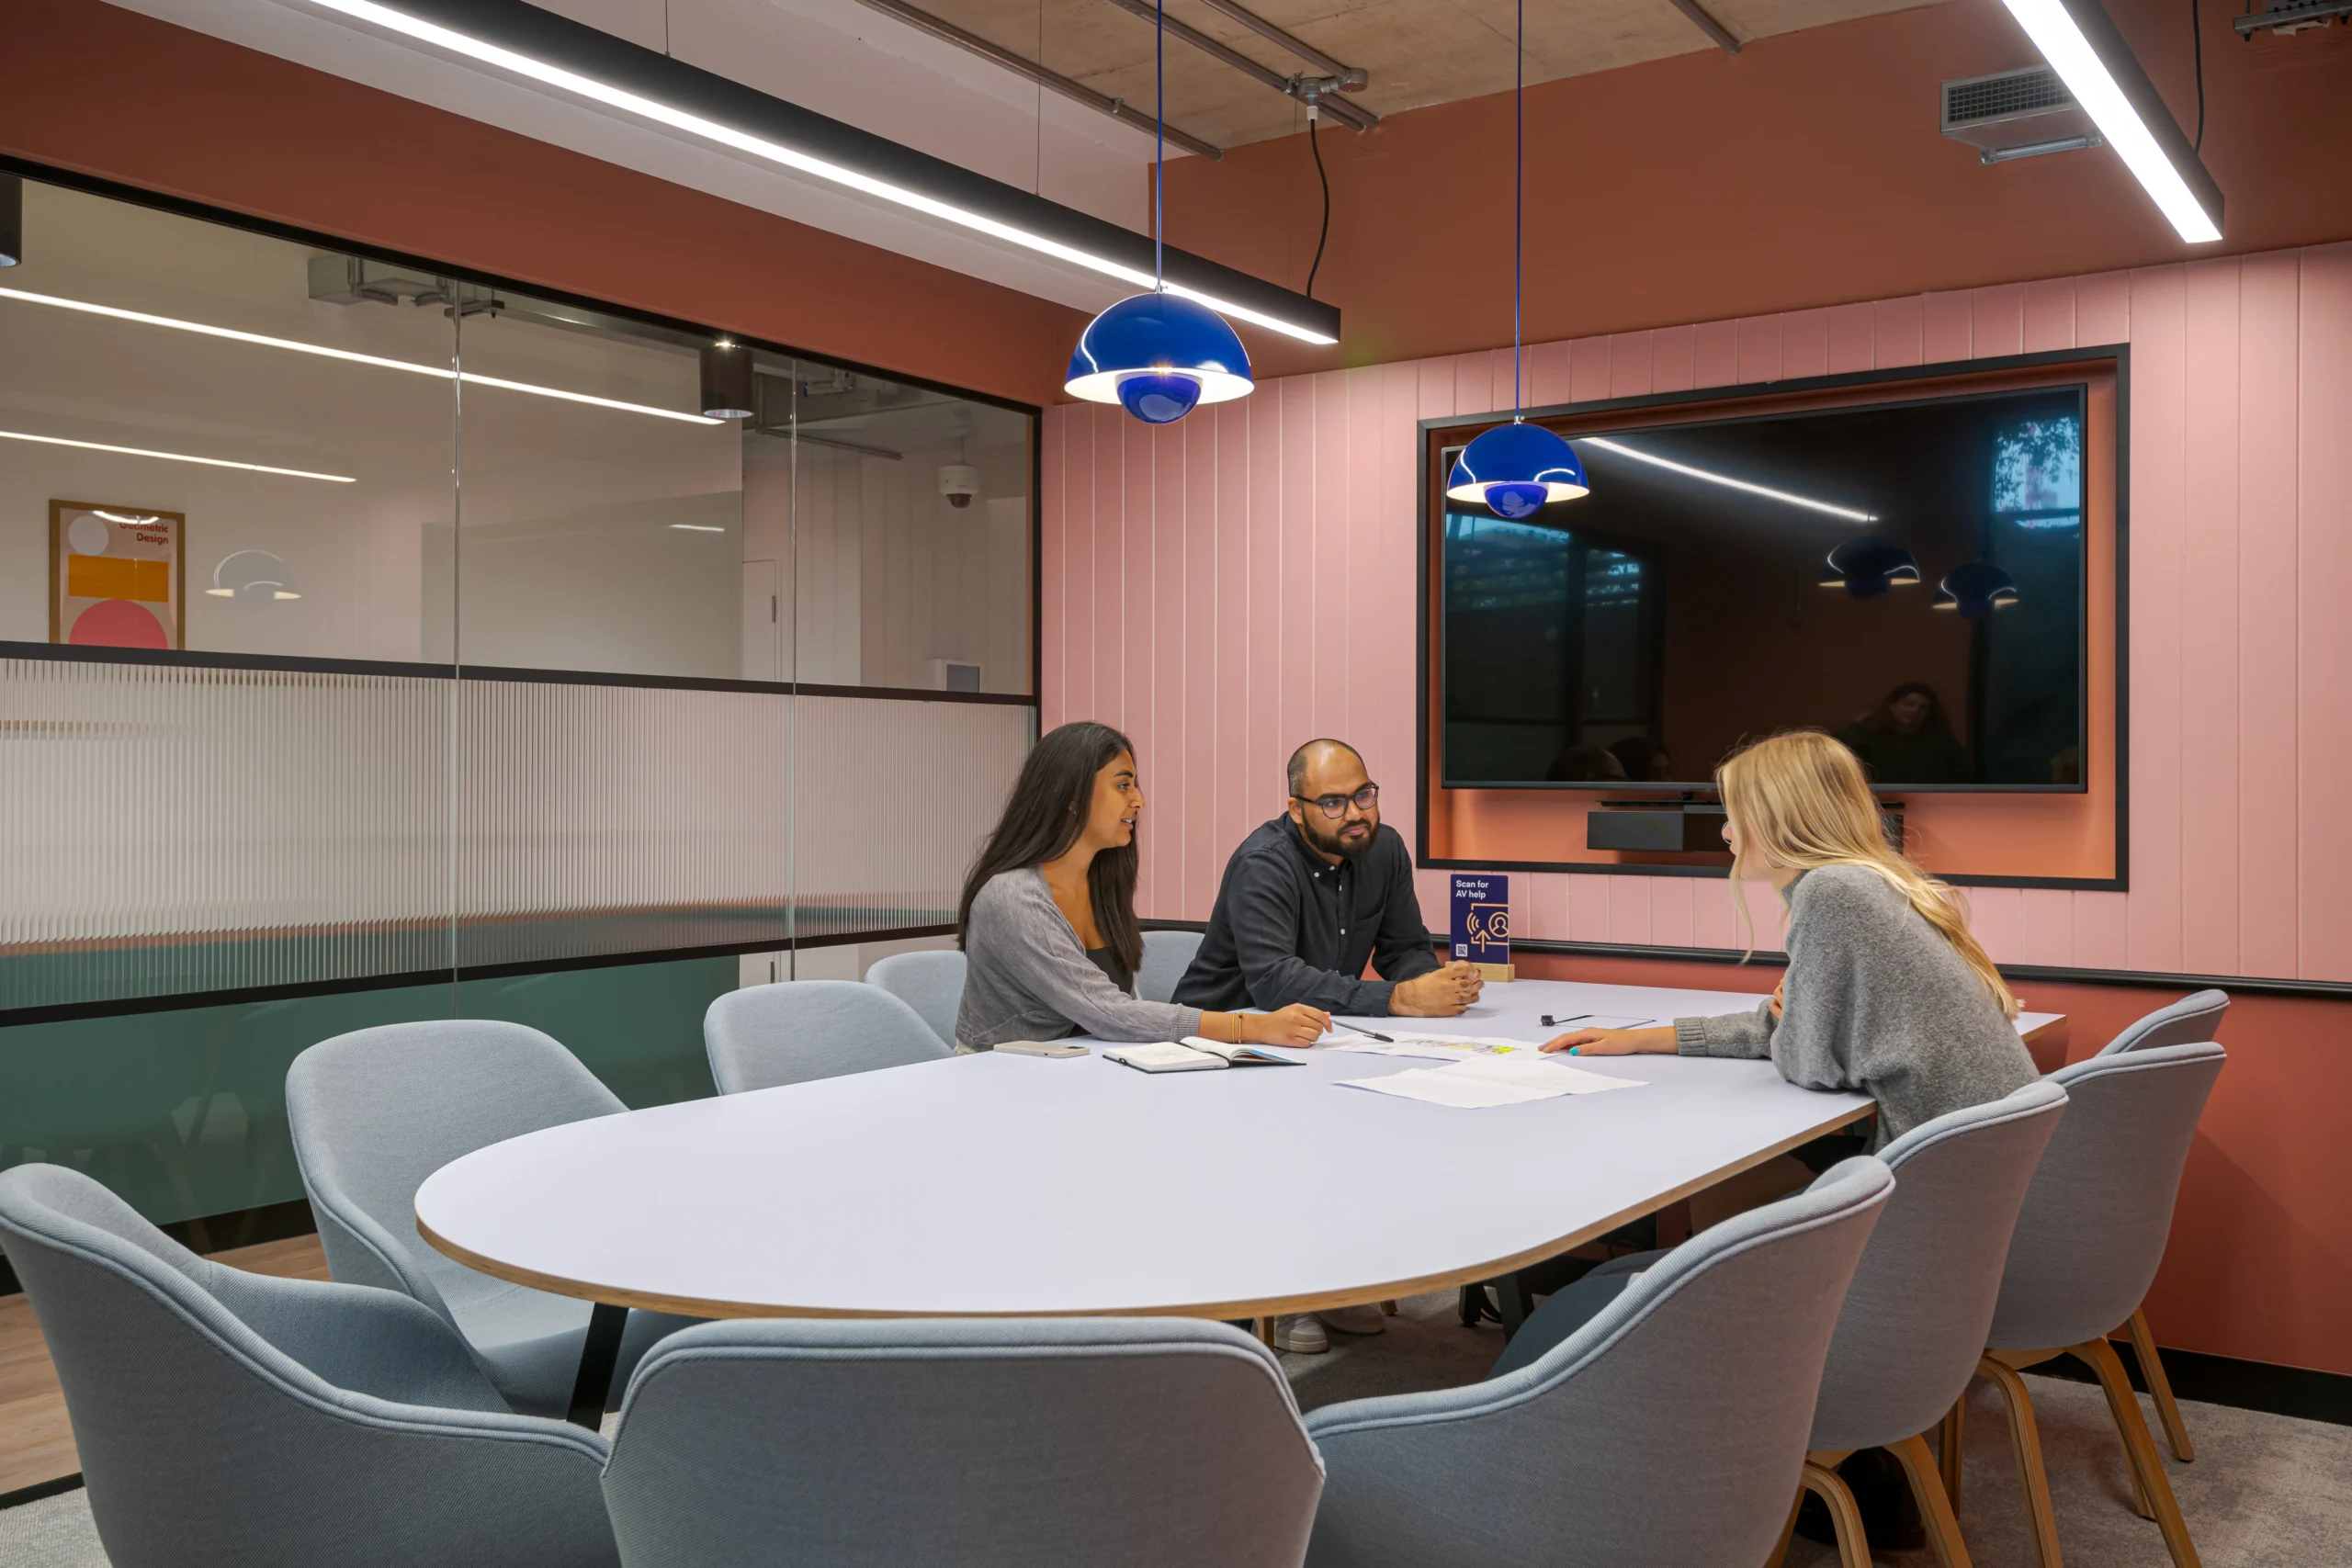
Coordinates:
[1479,1082]
[1439,1085]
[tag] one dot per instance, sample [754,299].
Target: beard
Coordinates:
[1329,840]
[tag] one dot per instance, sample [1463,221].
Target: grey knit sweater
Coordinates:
[1026,977]
[1876,1000]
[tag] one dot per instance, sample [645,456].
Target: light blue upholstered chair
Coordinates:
[375,1111]
[2088,1244]
[2191,1021]
[1166,956]
[230,1419]
[961,1443]
[929,982]
[1915,1320]
[1669,1431]
[799,1031]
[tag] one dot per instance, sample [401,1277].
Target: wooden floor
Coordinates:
[36,1442]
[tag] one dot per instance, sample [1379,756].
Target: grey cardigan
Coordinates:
[1875,1000]
[1026,977]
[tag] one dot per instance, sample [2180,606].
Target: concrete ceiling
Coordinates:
[1417,51]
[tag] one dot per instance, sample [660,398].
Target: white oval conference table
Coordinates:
[998,1185]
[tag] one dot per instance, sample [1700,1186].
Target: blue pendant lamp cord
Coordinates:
[1518,200]
[1158,145]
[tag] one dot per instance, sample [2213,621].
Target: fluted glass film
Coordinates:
[892,801]
[169,829]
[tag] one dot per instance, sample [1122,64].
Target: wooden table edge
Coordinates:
[1277,1306]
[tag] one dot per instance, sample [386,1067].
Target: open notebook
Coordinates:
[1193,1054]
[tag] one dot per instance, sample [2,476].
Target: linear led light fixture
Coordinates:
[440,372]
[175,457]
[1848,512]
[2082,45]
[640,106]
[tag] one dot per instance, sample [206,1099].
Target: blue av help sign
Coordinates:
[1482,919]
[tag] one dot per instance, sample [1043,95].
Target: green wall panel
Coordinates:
[184,1113]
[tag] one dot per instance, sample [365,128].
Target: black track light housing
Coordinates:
[727,388]
[12,221]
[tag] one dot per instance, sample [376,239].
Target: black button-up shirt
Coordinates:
[1288,926]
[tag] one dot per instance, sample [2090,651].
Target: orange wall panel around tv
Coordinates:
[2018,837]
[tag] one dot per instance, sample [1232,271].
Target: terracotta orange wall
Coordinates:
[103,91]
[2260,1265]
[1803,171]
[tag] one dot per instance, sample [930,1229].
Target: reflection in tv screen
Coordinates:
[1907,576]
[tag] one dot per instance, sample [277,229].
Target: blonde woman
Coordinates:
[1887,992]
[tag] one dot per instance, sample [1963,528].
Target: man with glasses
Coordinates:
[1313,896]
[1309,899]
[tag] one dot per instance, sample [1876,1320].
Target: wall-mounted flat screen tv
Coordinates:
[1908,576]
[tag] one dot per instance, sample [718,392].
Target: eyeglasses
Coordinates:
[1336,806]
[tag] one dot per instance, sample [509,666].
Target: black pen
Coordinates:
[1368,1034]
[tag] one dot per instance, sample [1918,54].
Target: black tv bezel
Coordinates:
[1430,502]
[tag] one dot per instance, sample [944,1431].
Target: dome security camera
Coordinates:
[959,483]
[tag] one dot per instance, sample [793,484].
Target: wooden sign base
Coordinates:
[1495,974]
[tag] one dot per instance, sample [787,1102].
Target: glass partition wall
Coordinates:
[380,644]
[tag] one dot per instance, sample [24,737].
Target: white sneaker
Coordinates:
[1301,1334]
[1364,1319]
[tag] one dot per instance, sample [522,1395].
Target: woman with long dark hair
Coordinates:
[1047,921]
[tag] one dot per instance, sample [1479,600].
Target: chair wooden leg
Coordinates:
[1949,1438]
[1788,1533]
[1853,1545]
[2025,1438]
[1264,1328]
[2152,1368]
[1388,1309]
[2138,1447]
[1935,1507]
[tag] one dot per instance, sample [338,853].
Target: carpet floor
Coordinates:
[2265,1492]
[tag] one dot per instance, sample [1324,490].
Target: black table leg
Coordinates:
[1511,1295]
[598,1355]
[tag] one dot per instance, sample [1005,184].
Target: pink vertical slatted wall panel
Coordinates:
[1852,338]
[1053,557]
[1898,340]
[1229,655]
[1674,359]
[1996,321]
[1547,374]
[1805,344]
[2159,435]
[2049,315]
[2323,569]
[1758,350]
[1715,354]
[2265,749]
[1948,327]
[1139,599]
[1214,585]
[2208,621]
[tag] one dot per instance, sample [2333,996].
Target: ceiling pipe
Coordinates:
[1703,19]
[1351,78]
[1117,108]
[1347,114]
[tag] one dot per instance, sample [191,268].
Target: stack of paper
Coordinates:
[1477,1083]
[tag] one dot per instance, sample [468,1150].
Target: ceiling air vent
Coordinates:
[2015,114]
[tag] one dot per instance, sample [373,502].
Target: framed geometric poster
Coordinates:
[117,575]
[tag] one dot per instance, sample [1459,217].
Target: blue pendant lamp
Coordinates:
[1158,354]
[1517,469]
